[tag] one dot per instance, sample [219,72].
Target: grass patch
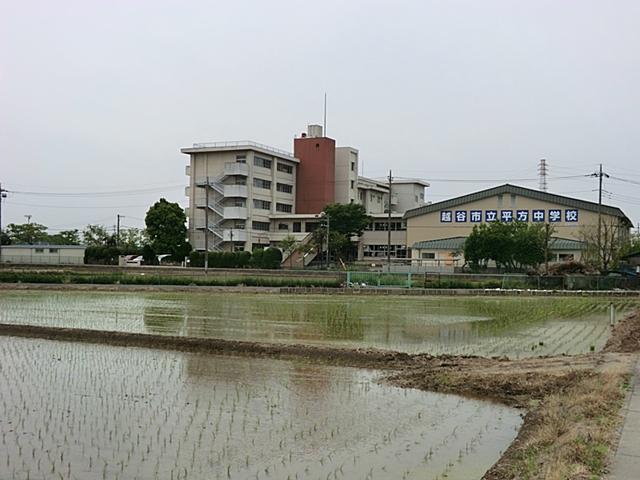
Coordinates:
[571,432]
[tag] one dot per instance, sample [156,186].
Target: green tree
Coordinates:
[4,238]
[132,238]
[65,237]
[27,233]
[512,246]
[166,228]
[349,219]
[97,236]
[345,221]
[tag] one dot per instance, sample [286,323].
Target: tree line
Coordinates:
[165,233]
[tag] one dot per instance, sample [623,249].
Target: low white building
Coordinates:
[43,254]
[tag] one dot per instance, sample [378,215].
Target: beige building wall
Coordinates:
[429,226]
[243,200]
[406,196]
[43,254]
[346,175]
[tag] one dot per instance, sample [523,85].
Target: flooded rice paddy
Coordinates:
[488,326]
[86,411]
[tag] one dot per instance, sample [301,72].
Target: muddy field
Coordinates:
[126,413]
[569,428]
[514,327]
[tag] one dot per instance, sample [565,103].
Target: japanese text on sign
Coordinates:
[552,215]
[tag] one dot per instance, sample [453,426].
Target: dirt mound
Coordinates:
[625,337]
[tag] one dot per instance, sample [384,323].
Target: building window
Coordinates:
[311,226]
[261,204]
[397,251]
[39,250]
[53,250]
[353,184]
[283,226]
[262,162]
[382,226]
[283,167]
[283,207]
[284,188]
[260,183]
[262,226]
[361,195]
[353,166]
[241,159]
[297,227]
[428,255]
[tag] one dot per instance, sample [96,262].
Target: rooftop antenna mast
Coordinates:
[542,173]
[324,123]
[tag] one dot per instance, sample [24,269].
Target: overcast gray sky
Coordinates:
[99,96]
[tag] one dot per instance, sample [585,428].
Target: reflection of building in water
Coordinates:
[300,383]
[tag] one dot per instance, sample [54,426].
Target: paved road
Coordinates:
[626,463]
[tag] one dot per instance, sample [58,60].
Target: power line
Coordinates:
[74,206]
[626,180]
[99,194]
[493,180]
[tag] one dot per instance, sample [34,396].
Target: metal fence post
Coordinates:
[348,278]
[409,280]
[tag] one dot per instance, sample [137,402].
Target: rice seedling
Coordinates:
[112,412]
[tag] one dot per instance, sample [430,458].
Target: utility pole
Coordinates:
[600,174]
[328,237]
[28,217]
[547,228]
[3,194]
[389,225]
[118,229]
[206,226]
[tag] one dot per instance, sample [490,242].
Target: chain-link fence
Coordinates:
[505,281]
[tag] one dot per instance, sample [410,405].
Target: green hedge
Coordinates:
[127,279]
[269,258]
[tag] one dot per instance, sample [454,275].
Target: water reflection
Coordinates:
[439,325]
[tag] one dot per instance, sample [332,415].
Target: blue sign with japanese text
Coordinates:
[553,215]
[490,215]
